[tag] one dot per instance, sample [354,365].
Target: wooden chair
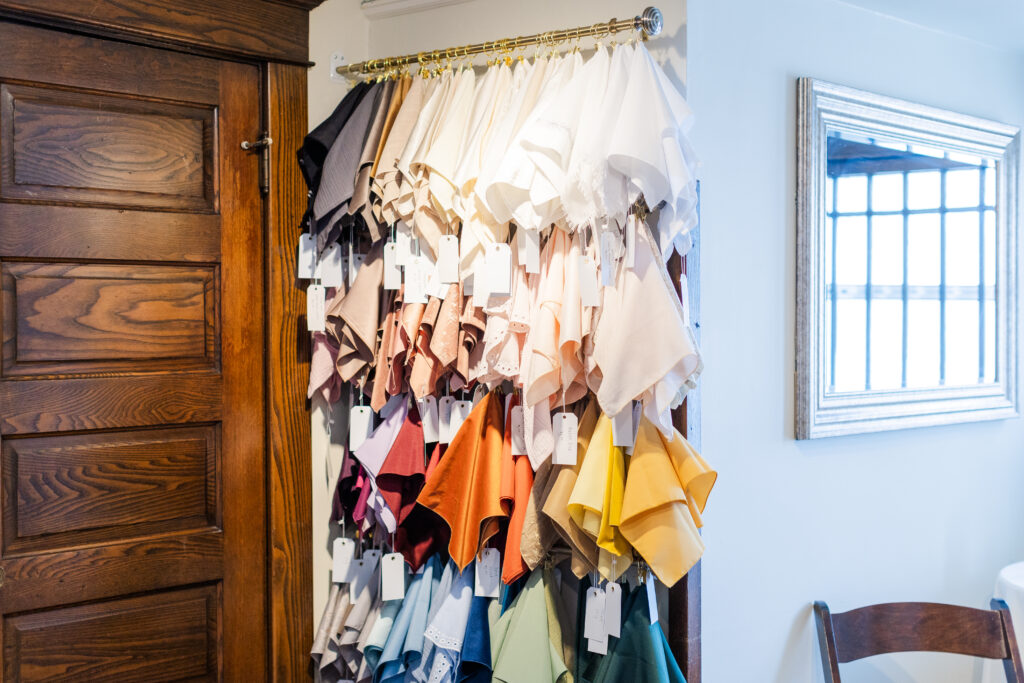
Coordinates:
[913,627]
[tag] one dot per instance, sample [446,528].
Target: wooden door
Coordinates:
[132,456]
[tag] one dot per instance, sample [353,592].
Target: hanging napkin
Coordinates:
[666,491]
[465,488]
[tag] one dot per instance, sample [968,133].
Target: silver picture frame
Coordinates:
[825,107]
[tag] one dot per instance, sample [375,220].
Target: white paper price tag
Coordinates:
[328,268]
[342,554]
[609,251]
[652,599]
[306,264]
[373,557]
[434,282]
[435,287]
[392,273]
[479,285]
[589,294]
[593,623]
[528,243]
[448,259]
[392,577]
[355,262]
[597,646]
[360,426]
[415,281]
[518,431]
[429,418]
[622,427]
[499,269]
[316,308]
[613,609]
[444,414]
[540,429]
[359,577]
[403,245]
[564,427]
[488,573]
[460,411]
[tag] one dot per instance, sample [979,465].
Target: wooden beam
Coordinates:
[684,604]
[288,437]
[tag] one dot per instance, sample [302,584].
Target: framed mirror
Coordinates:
[906,264]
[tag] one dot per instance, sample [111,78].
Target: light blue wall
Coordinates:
[927,514]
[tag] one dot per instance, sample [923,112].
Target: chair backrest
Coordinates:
[917,627]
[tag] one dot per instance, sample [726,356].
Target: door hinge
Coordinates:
[263,147]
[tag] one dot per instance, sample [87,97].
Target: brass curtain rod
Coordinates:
[650,22]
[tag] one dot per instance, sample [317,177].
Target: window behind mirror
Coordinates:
[910,245]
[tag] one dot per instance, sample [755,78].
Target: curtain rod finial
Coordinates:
[651,21]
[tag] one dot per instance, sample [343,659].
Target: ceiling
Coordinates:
[999,23]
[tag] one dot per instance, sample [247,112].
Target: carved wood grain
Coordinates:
[169,636]
[254,28]
[44,580]
[60,145]
[917,627]
[32,231]
[243,341]
[110,66]
[82,319]
[31,406]
[287,372]
[59,486]
[99,234]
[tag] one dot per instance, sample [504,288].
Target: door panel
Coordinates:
[62,232]
[170,636]
[132,456]
[76,319]
[66,145]
[71,489]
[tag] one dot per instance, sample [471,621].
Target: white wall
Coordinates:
[918,515]
[927,514]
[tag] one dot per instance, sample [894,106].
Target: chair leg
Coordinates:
[827,642]
[1012,664]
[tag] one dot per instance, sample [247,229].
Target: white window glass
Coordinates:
[851,250]
[963,188]
[990,248]
[887,192]
[924,190]
[852,193]
[961,342]
[924,249]
[886,344]
[887,250]
[962,246]
[923,354]
[850,345]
